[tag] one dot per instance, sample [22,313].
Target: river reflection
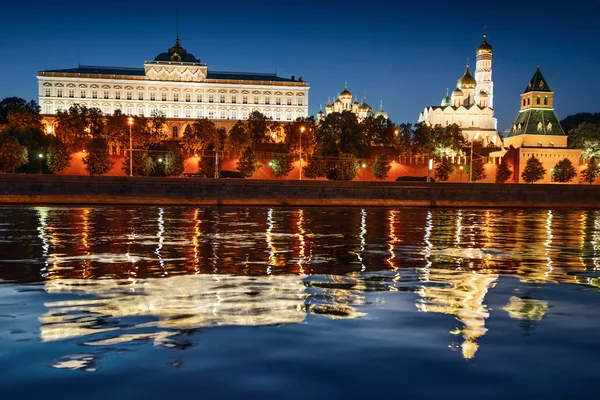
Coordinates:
[115,275]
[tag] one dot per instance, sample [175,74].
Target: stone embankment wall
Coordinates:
[85,190]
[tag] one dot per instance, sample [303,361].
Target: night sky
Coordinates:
[404,54]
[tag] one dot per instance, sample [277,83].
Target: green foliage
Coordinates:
[95,122]
[24,113]
[573,121]
[444,168]
[534,170]
[478,171]
[71,127]
[198,136]
[316,168]
[563,171]
[587,138]
[143,164]
[281,164]
[293,133]
[379,131]
[403,139]
[342,168]
[257,128]
[438,141]
[591,172]
[340,133]
[503,173]
[248,163]
[381,167]
[174,162]
[58,156]
[206,165]
[12,154]
[238,138]
[96,160]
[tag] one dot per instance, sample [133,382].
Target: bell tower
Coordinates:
[483,71]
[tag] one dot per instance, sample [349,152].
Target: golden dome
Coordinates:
[484,47]
[346,95]
[466,81]
[338,101]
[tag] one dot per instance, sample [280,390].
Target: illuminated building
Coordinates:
[177,85]
[344,103]
[471,105]
[537,131]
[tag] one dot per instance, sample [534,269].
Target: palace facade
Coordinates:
[177,85]
[471,105]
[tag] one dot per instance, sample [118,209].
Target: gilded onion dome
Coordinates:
[381,113]
[484,47]
[346,95]
[446,101]
[466,81]
[457,92]
[338,101]
[364,106]
[356,103]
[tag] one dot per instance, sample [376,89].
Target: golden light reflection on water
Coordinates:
[146,268]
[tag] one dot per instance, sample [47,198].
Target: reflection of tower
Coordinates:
[527,310]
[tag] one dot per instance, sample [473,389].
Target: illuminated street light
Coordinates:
[130,123]
[40,156]
[301,132]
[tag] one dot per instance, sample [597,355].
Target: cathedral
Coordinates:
[471,105]
[344,103]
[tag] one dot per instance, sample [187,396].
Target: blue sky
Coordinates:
[404,53]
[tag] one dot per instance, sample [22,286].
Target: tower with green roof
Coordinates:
[537,124]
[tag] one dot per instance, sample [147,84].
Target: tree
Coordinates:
[504,172]
[591,172]
[12,155]
[174,162]
[198,136]
[340,133]
[403,138]
[381,167]
[573,121]
[58,156]
[587,138]
[534,170]
[438,141]
[379,131]
[238,138]
[294,135]
[281,164]
[248,163]
[19,106]
[315,168]
[95,122]
[71,127]
[156,130]
[444,168]
[206,166]
[563,171]
[257,128]
[96,159]
[143,164]
[478,170]
[116,130]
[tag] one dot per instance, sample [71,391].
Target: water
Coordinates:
[145,302]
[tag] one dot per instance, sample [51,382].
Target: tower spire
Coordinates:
[177,24]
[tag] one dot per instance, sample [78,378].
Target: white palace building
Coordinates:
[177,85]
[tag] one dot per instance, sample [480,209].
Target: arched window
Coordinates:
[546,100]
[528,101]
[175,132]
[538,100]
[523,102]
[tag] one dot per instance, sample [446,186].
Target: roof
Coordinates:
[537,83]
[530,119]
[221,75]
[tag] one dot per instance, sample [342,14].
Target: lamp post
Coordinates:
[461,170]
[130,122]
[301,132]
[471,163]
[40,156]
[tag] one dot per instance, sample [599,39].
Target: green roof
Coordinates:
[90,69]
[537,83]
[536,122]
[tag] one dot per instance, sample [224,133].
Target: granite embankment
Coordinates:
[83,190]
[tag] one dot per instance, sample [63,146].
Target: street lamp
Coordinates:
[130,122]
[461,170]
[40,156]
[301,132]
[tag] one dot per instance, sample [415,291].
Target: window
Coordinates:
[129,94]
[141,111]
[289,100]
[546,100]
[48,109]
[94,93]
[267,99]
[140,95]
[288,115]
[199,113]
[59,92]
[245,99]
[222,114]
[300,101]
[211,98]
[244,114]
[538,100]
[106,94]
[211,114]
[163,111]
[222,98]
[128,110]
[199,97]
[176,113]
[255,99]
[188,97]
[59,107]
[528,101]
[118,95]
[523,102]
[175,96]
[152,111]
[188,113]
[233,114]
[175,132]
[234,98]
[71,92]
[106,110]
[163,95]
[277,115]
[152,95]
[48,92]
[278,100]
